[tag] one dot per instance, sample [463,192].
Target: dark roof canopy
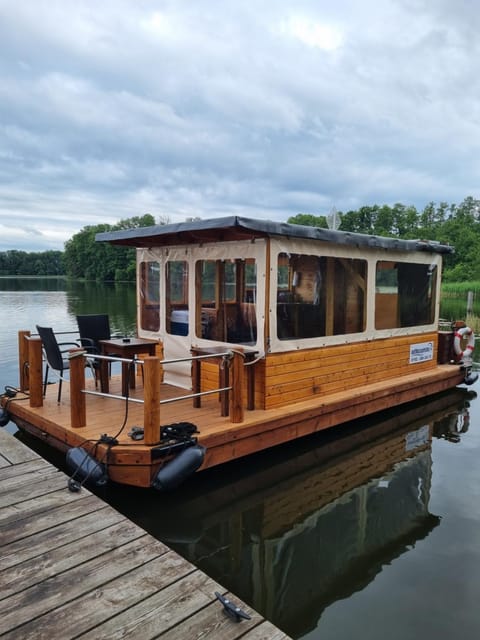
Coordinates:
[238,228]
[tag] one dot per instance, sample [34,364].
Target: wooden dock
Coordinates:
[73,567]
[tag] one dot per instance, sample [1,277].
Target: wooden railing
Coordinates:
[31,381]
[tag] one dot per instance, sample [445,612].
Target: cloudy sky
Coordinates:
[114,108]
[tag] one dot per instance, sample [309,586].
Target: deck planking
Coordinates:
[71,566]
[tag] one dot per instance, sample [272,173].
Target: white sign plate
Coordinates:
[421,352]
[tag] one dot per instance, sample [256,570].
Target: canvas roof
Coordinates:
[233,228]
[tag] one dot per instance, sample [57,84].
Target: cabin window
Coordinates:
[226,294]
[149,291]
[176,298]
[320,296]
[405,294]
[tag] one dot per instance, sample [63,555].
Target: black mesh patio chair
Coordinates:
[92,328]
[55,357]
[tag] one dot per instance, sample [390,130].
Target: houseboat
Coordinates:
[250,333]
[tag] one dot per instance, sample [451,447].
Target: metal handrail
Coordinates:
[88,392]
[57,333]
[195,395]
[225,354]
[90,356]
[98,356]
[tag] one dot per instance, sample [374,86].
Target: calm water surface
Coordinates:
[369,531]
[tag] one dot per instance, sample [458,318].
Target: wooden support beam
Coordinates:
[160,354]
[151,407]
[330,301]
[78,412]
[236,394]
[34,360]
[23,359]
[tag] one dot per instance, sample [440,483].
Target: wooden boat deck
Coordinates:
[73,567]
[223,439]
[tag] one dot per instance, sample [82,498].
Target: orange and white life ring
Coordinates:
[459,334]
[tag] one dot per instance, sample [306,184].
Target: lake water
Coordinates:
[368,531]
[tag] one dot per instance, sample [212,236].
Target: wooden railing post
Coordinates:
[78,411]
[23,359]
[160,354]
[236,394]
[34,359]
[151,408]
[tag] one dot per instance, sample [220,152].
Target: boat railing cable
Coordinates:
[137,361]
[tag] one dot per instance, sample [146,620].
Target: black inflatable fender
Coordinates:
[4,417]
[174,472]
[84,467]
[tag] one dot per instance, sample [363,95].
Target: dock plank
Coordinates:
[51,562]
[265,631]
[12,451]
[10,482]
[35,506]
[215,625]
[12,470]
[116,585]
[163,610]
[47,520]
[31,547]
[32,489]
[51,594]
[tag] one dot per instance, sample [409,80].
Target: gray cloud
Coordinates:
[182,109]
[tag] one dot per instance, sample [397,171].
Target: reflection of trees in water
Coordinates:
[12,283]
[117,299]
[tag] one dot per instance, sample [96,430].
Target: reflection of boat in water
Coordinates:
[452,425]
[297,531]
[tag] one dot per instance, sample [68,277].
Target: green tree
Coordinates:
[362,221]
[86,258]
[461,229]
[309,220]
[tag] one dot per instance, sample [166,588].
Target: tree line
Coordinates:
[83,257]
[26,263]
[458,225]
[86,258]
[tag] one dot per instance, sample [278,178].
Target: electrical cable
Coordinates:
[110,441]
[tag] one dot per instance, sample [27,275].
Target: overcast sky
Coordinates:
[115,108]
